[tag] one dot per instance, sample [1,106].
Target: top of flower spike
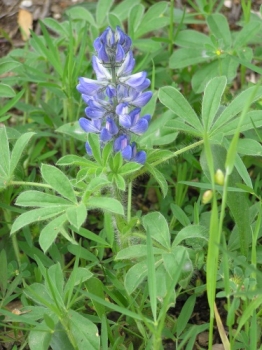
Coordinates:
[112,47]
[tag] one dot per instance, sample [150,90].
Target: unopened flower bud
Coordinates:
[219,177]
[207,196]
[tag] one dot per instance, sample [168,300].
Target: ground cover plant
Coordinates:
[130,180]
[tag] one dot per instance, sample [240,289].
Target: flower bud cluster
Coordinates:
[115,99]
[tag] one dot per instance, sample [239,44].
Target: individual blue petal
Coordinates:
[120,143]
[122,108]
[125,121]
[88,86]
[120,53]
[97,44]
[102,54]
[127,66]
[134,115]
[140,127]
[134,80]
[101,72]
[127,152]
[109,37]
[140,157]
[105,135]
[94,113]
[90,125]
[111,126]
[142,99]
[144,85]
[110,91]
[88,149]
[147,117]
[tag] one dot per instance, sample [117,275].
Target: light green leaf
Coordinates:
[186,57]
[174,100]
[35,215]
[40,199]
[129,168]
[58,181]
[136,251]
[121,8]
[192,39]
[110,204]
[79,12]
[50,231]
[76,215]
[159,177]
[96,287]
[179,214]
[85,332]
[8,66]
[38,338]
[135,275]
[153,19]
[156,224]
[18,149]
[6,91]
[102,9]
[5,154]
[73,130]
[247,33]
[212,99]
[195,232]
[113,20]
[218,25]
[135,18]
[249,147]
[10,104]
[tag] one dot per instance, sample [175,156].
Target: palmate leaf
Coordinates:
[18,149]
[35,215]
[58,181]
[50,232]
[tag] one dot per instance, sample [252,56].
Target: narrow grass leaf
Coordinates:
[185,315]
[10,104]
[58,181]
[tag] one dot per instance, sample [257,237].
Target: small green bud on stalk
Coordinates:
[219,177]
[207,196]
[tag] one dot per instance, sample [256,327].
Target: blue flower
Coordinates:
[114,100]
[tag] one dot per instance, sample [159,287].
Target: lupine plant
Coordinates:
[83,140]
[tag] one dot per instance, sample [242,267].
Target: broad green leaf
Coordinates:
[39,337]
[136,251]
[129,168]
[252,118]
[113,20]
[76,215]
[120,182]
[60,339]
[174,100]
[135,18]
[55,26]
[235,107]
[78,276]
[94,143]
[79,12]
[58,181]
[6,91]
[96,183]
[38,293]
[247,32]
[102,9]
[8,66]
[120,10]
[85,332]
[186,57]
[226,66]
[35,198]
[153,19]
[5,154]
[82,253]
[18,149]
[192,39]
[212,99]
[157,226]
[109,204]
[135,275]
[159,177]
[35,215]
[96,287]
[178,124]
[151,275]
[147,45]
[73,159]
[219,27]
[54,283]
[249,147]
[50,231]
[179,214]
[194,232]
[73,130]
[92,237]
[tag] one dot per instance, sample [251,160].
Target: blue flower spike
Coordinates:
[114,100]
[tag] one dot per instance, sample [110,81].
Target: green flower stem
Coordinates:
[175,154]
[25,183]
[129,201]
